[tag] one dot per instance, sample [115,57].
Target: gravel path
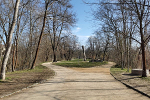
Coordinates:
[69,84]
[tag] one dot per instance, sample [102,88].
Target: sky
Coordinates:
[84,26]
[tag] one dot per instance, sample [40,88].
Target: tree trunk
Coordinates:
[54,40]
[142,48]
[104,55]
[13,58]
[54,54]
[84,55]
[143,56]
[122,62]
[128,61]
[37,49]
[143,60]
[55,60]
[10,34]
[30,37]
[16,53]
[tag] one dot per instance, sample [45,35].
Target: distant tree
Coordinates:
[60,19]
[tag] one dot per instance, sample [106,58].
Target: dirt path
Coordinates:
[79,84]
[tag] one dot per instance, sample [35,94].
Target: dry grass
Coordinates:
[22,79]
[93,70]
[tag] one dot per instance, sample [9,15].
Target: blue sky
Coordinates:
[84,26]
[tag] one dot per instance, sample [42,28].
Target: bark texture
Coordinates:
[8,47]
[42,31]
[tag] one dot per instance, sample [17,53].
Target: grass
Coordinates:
[119,70]
[21,79]
[37,69]
[146,78]
[79,63]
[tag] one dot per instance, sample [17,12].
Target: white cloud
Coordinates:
[80,36]
[77,30]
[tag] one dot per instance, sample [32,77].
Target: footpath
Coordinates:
[79,84]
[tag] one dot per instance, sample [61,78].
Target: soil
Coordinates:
[134,81]
[94,83]
[97,69]
[23,80]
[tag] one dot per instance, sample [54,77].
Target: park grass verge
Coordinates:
[116,71]
[146,78]
[21,79]
[137,83]
[79,63]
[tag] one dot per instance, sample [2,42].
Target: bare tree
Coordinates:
[141,13]
[60,19]
[22,20]
[137,23]
[9,40]
[47,3]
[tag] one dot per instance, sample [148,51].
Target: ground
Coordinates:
[22,79]
[97,69]
[79,84]
[136,82]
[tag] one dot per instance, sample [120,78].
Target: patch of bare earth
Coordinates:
[19,81]
[71,84]
[136,82]
[97,69]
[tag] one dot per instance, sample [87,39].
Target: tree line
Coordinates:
[34,31]
[123,32]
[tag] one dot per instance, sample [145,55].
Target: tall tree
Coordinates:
[60,19]
[141,9]
[47,3]
[126,28]
[9,40]
[22,20]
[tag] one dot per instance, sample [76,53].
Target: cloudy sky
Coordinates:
[84,26]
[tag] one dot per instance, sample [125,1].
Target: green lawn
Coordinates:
[38,68]
[119,70]
[79,63]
